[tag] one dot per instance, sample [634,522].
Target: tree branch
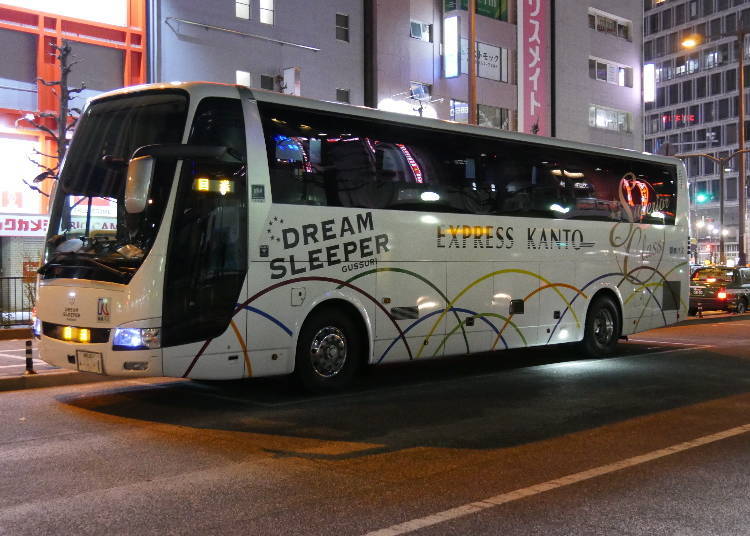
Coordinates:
[46,83]
[40,153]
[35,188]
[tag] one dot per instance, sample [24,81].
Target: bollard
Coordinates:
[29,360]
[700,310]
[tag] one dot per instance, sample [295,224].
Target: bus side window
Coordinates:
[295,178]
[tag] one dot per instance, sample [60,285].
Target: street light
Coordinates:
[691,42]
[722,168]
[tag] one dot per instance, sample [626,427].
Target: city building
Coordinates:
[694,106]
[420,51]
[597,72]
[313,49]
[108,42]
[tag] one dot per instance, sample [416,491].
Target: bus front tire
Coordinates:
[328,352]
[602,329]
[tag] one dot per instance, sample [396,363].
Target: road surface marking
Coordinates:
[536,489]
[36,362]
[13,356]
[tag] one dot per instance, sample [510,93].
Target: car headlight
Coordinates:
[136,339]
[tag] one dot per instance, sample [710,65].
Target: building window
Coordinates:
[266,11]
[611,73]
[716,84]
[243,78]
[342,27]
[693,9]
[421,31]
[610,24]
[700,87]
[609,119]
[731,188]
[342,95]
[459,111]
[266,82]
[242,9]
[492,116]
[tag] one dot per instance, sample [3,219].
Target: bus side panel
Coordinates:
[412,294]
[557,325]
[472,326]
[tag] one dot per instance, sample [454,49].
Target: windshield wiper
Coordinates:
[103,266]
[75,257]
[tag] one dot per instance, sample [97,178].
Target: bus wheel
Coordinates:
[328,352]
[602,328]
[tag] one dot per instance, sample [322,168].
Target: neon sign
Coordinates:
[678,118]
[415,169]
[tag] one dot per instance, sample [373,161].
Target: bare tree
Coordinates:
[56,124]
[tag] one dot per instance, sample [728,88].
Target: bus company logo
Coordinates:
[102,310]
[637,198]
[474,236]
[550,238]
[347,241]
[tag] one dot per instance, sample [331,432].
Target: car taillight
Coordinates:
[722,294]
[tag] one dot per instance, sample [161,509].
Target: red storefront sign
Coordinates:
[23,224]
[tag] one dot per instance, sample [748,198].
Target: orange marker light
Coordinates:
[84,335]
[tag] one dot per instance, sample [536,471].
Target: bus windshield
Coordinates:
[90,235]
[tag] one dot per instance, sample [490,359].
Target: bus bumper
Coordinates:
[100,358]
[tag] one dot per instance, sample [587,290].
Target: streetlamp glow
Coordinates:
[690,42]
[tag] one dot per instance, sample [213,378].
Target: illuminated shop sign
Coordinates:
[451,39]
[495,9]
[649,83]
[688,119]
[534,67]
[23,225]
[114,12]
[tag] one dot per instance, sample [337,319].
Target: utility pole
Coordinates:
[742,194]
[472,62]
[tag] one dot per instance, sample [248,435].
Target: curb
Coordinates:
[51,379]
[712,319]
[15,333]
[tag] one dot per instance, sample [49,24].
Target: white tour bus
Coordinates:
[214,232]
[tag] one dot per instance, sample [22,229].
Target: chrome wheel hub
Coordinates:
[328,352]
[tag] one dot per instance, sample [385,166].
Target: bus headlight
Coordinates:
[36,327]
[136,339]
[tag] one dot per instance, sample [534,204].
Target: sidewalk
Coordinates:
[15,332]
[50,378]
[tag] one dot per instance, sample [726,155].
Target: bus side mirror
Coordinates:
[140,173]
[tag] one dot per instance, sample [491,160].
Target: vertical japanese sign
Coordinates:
[534,65]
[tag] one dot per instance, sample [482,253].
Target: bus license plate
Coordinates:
[89,361]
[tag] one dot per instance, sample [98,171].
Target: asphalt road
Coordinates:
[13,358]
[653,441]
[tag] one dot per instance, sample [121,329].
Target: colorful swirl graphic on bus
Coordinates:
[626,239]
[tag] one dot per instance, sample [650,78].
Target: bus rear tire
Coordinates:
[329,352]
[603,327]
